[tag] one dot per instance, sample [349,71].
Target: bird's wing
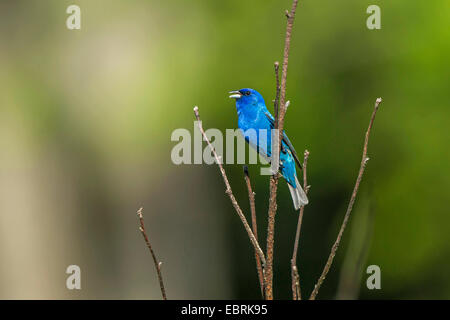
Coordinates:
[285,139]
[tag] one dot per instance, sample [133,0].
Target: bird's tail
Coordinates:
[298,195]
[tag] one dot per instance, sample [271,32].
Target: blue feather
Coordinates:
[253,115]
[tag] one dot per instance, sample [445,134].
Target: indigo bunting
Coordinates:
[253,114]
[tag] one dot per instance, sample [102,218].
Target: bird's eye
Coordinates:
[247,93]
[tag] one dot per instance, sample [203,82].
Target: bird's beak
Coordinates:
[235,94]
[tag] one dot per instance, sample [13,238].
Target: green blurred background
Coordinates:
[86,118]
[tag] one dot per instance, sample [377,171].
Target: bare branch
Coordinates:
[277,95]
[279,123]
[364,161]
[149,246]
[296,290]
[251,198]
[229,192]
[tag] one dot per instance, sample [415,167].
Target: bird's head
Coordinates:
[247,97]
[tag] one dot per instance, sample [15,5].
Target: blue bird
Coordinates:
[253,115]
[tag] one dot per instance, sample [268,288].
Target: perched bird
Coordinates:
[253,114]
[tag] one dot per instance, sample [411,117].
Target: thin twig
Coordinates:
[296,290]
[149,246]
[229,192]
[364,161]
[251,198]
[277,95]
[279,123]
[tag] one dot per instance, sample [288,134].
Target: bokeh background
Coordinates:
[86,118]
